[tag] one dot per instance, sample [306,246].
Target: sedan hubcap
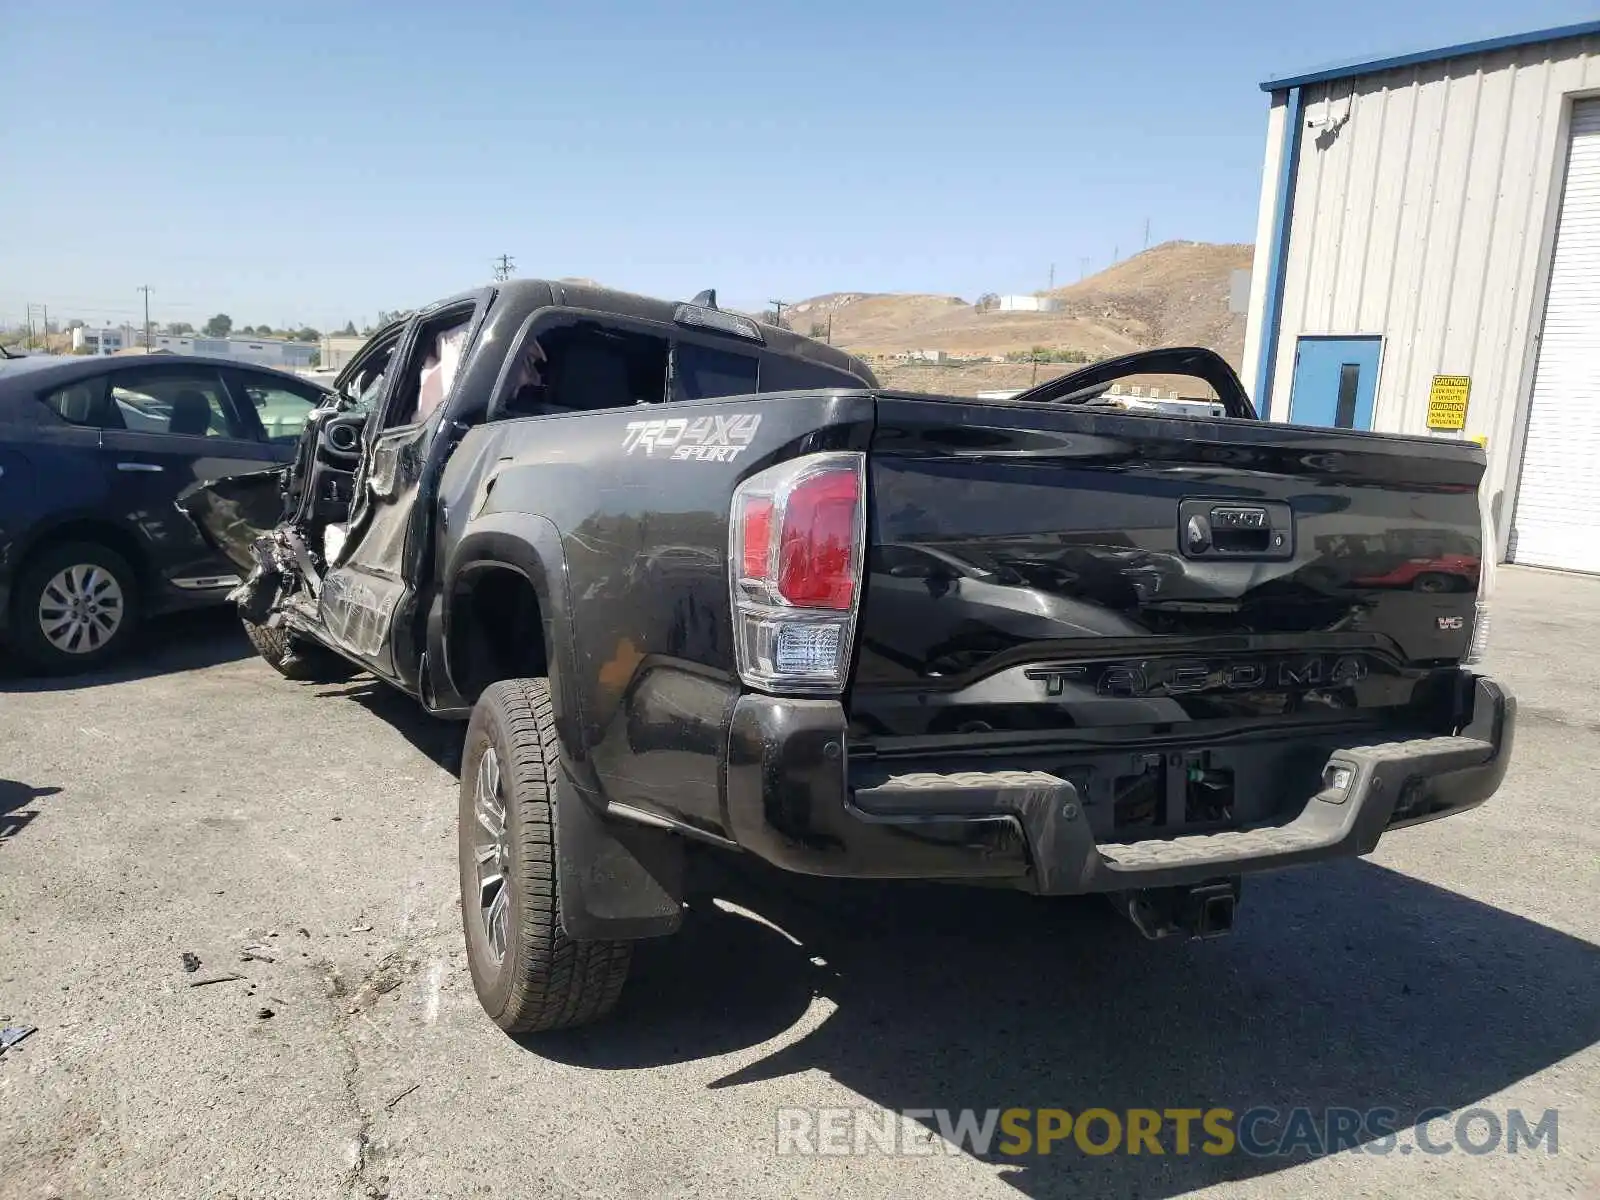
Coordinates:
[492,850]
[81,609]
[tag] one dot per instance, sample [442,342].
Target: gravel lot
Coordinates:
[195,802]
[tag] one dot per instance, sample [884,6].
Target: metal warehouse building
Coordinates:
[1428,261]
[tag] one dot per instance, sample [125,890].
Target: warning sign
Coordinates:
[1447,401]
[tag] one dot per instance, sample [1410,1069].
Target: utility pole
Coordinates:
[45,309]
[503,266]
[1052,275]
[1083,266]
[1147,233]
[778,307]
[830,329]
[148,344]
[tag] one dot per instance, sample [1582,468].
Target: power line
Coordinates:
[503,266]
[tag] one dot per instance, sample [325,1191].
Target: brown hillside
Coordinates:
[1172,294]
[1176,292]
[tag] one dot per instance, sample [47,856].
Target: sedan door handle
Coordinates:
[137,466]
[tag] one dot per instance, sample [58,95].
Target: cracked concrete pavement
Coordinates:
[193,801]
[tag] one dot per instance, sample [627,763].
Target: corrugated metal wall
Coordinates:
[1424,204]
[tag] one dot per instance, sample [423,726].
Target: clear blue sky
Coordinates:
[317,162]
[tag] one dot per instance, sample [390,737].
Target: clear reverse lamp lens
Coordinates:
[808,649]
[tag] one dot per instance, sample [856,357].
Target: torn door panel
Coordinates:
[233,513]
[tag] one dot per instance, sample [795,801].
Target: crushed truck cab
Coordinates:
[695,582]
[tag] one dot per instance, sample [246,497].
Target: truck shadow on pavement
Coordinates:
[438,739]
[1346,985]
[186,641]
[15,815]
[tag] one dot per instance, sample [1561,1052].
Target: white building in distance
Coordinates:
[1029,304]
[267,352]
[106,340]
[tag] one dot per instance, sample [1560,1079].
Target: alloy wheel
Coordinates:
[492,850]
[81,608]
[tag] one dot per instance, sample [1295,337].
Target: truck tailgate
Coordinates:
[1036,568]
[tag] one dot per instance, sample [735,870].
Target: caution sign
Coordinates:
[1447,401]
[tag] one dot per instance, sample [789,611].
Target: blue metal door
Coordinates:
[1335,380]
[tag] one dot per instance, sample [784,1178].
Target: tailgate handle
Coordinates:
[1231,529]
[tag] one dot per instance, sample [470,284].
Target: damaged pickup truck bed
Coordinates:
[699,581]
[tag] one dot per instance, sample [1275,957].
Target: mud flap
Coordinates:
[617,882]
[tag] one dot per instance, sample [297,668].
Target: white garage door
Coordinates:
[1557,517]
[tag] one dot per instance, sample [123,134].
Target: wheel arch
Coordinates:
[85,528]
[504,584]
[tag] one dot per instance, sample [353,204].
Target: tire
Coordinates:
[541,979]
[1434,583]
[294,657]
[76,606]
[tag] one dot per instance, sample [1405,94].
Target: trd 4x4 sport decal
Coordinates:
[703,439]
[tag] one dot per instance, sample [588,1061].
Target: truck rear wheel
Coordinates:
[294,657]
[529,975]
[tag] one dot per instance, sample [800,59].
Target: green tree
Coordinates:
[307,334]
[179,328]
[220,325]
[349,330]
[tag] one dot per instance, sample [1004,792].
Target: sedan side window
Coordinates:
[282,410]
[183,403]
[77,403]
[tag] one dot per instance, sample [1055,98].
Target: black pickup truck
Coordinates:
[697,580]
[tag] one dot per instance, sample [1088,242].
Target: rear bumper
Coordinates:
[789,801]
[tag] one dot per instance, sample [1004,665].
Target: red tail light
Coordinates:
[796,549]
[815,554]
[756,537]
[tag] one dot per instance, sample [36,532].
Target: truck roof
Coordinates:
[528,294]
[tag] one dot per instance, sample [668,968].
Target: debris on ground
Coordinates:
[225,977]
[401,1096]
[191,961]
[361,929]
[257,954]
[263,1013]
[387,974]
[303,931]
[12,1034]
